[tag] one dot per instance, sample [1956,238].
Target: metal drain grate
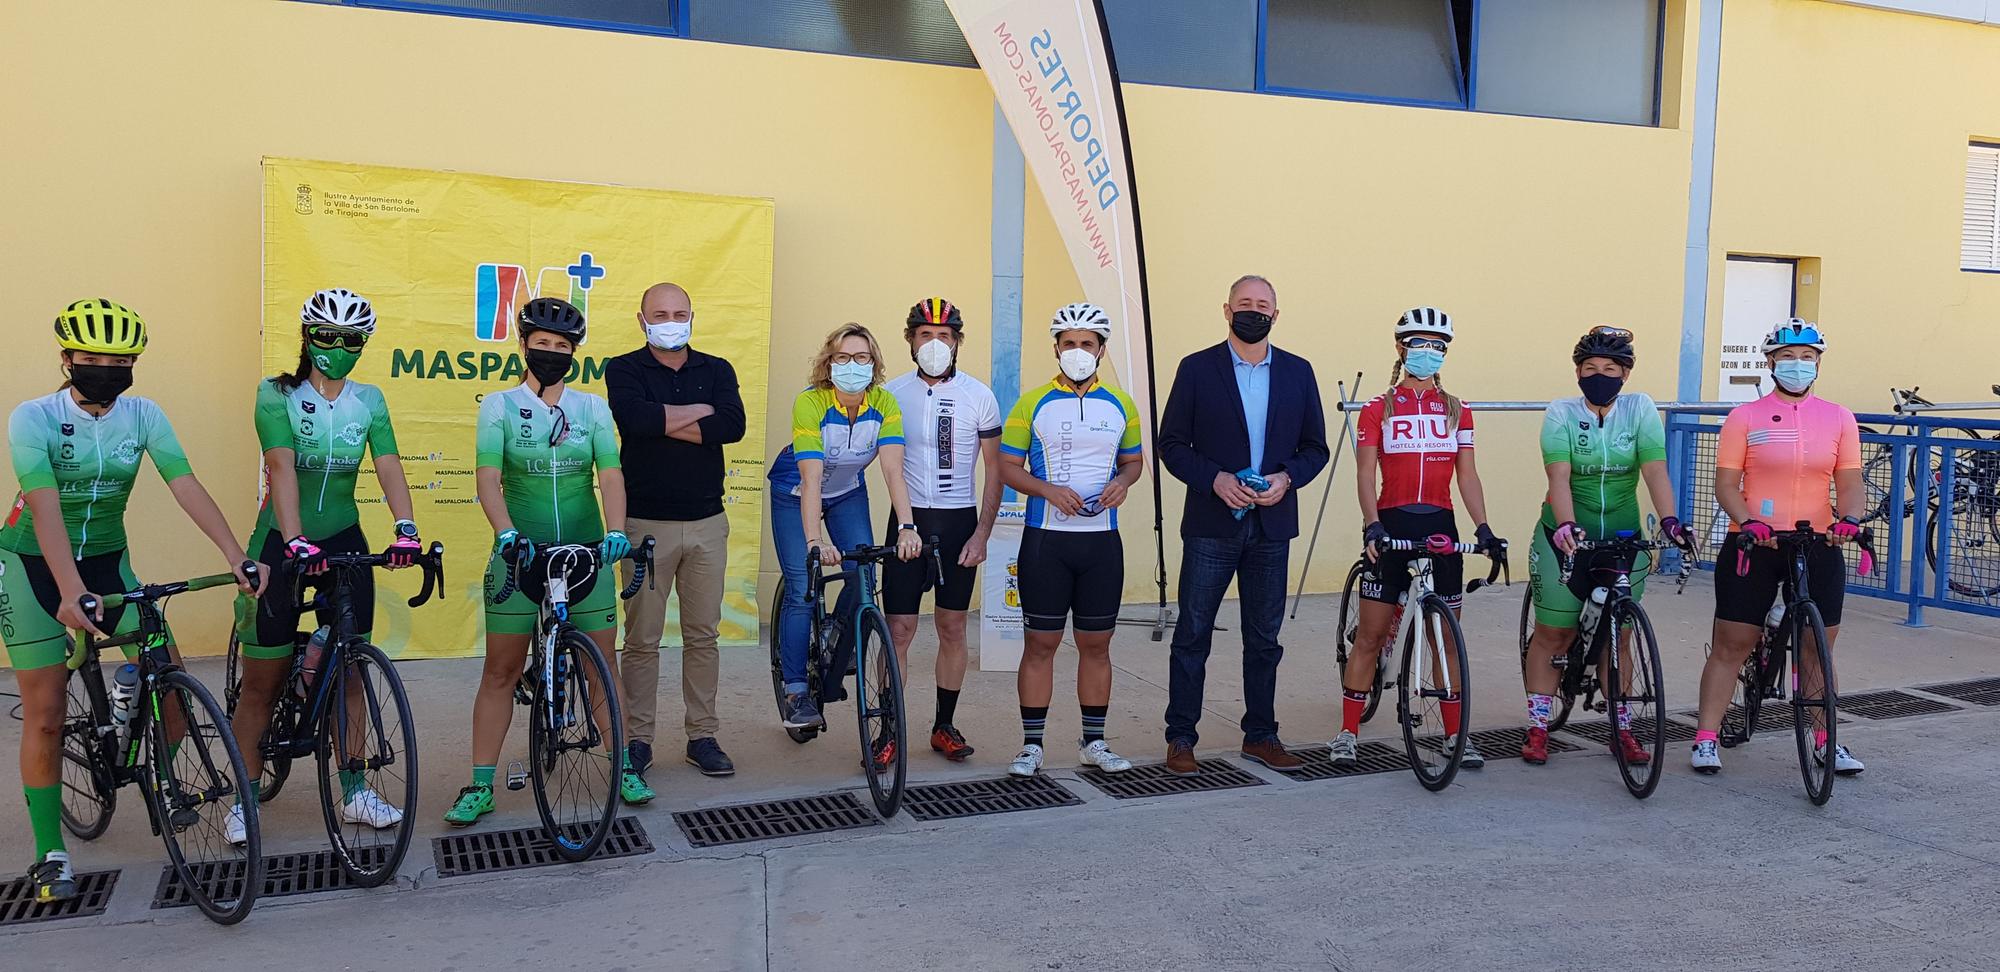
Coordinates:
[1154,780]
[1373,756]
[509,850]
[1007,794]
[774,818]
[19,907]
[1892,704]
[1978,691]
[1500,743]
[1598,730]
[1775,715]
[284,874]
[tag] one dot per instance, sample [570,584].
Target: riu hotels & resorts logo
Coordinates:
[499,291]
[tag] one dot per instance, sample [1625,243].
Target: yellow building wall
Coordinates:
[1841,134]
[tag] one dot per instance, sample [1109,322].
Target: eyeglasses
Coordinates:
[1435,344]
[862,358]
[336,337]
[1091,507]
[559,430]
[1606,330]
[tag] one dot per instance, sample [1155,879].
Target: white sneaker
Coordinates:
[1472,758]
[1100,755]
[1027,762]
[233,828]
[1706,758]
[1344,749]
[1844,763]
[368,807]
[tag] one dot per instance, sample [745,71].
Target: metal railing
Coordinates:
[1933,502]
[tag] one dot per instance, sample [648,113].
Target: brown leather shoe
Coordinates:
[1180,759]
[1272,753]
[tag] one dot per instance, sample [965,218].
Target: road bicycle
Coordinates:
[576,728]
[1626,685]
[1974,509]
[1773,670]
[170,738]
[853,639]
[370,732]
[1433,669]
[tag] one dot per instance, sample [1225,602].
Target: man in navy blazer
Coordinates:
[1240,406]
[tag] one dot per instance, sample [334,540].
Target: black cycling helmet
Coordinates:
[554,315]
[1605,341]
[933,310]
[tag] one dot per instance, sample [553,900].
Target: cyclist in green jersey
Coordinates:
[1595,449]
[314,426]
[538,444]
[76,453]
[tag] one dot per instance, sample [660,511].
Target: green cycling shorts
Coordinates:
[516,616]
[1556,604]
[28,600]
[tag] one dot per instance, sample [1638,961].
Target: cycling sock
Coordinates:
[255,790]
[947,707]
[1819,738]
[1351,706]
[1093,723]
[1449,709]
[45,816]
[1540,709]
[351,782]
[1703,735]
[483,776]
[1624,715]
[1034,719]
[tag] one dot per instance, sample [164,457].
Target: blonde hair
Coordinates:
[822,363]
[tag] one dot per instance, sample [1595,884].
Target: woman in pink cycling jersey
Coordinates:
[1778,459]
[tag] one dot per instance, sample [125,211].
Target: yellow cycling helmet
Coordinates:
[101,327]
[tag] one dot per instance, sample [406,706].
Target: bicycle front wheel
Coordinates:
[1813,705]
[88,794]
[1430,690]
[879,688]
[576,745]
[195,775]
[1637,692]
[368,766]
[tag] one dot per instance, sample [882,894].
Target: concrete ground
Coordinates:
[1513,867]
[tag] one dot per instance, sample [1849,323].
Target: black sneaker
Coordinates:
[707,755]
[802,713]
[638,756]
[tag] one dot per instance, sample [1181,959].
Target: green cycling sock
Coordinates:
[45,816]
[483,776]
[352,782]
[255,788]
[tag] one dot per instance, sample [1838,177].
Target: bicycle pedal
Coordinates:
[517,776]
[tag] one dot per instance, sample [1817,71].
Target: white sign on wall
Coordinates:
[1756,294]
[1000,624]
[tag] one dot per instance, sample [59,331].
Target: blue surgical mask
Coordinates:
[853,376]
[1422,362]
[1795,375]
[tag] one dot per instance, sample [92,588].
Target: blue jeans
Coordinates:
[847,525]
[1259,567]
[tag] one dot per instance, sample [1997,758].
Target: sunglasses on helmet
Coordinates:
[1607,331]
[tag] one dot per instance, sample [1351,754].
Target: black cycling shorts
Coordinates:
[1065,574]
[274,621]
[1748,599]
[1388,578]
[905,581]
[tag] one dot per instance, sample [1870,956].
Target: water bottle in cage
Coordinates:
[311,659]
[1395,625]
[1776,615]
[124,691]
[1593,609]
[559,689]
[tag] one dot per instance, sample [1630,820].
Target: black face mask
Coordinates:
[549,367]
[1600,390]
[1249,326]
[100,384]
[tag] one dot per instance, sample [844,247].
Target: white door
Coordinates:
[1755,295]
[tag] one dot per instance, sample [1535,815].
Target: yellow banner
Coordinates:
[446,257]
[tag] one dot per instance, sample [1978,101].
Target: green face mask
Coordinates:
[335,363]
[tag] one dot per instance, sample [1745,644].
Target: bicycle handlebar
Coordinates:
[151,593]
[1803,532]
[641,556]
[642,568]
[872,554]
[431,560]
[1499,559]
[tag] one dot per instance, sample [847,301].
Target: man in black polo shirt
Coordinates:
[675,408]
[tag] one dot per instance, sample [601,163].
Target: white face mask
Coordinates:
[935,357]
[1078,364]
[670,335]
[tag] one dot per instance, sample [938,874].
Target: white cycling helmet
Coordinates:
[1081,317]
[337,307]
[1424,320]
[1794,333]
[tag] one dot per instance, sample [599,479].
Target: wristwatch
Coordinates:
[406,529]
[907,526]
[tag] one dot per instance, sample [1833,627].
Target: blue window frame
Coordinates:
[667,18]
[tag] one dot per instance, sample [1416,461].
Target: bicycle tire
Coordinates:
[168,787]
[1434,763]
[800,736]
[1565,697]
[392,742]
[576,825]
[1646,700]
[1350,622]
[276,769]
[1818,774]
[880,712]
[1739,721]
[1966,579]
[88,795]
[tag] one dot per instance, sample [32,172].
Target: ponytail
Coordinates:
[291,382]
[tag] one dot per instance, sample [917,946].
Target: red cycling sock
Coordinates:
[1449,709]
[1351,705]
